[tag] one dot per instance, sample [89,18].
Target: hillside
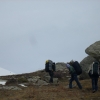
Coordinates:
[50,92]
[59,91]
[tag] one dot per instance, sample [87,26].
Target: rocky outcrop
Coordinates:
[86,62]
[34,79]
[61,66]
[94,50]
[38,78]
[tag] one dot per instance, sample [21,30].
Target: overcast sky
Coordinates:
[32,31]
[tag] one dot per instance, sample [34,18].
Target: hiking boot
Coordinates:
[81,88]
[93,91]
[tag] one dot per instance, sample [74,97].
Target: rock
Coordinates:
[55,80]
[85,63]
[94,54]
[34,79]
[94,50]
[84,75]
[47,78]
[10,88]
[11,81]
[41,82]
[61,66]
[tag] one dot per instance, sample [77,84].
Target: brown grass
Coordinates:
[52,92]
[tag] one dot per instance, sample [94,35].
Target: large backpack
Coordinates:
[77,67]
[95,69]
[54,66]
[48,65]
[71,69]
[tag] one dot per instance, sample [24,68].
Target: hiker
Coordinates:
[50,68]
[73,76]
[94,75]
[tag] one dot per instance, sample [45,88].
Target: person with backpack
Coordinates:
[94,75]
[73,76]
[50,68]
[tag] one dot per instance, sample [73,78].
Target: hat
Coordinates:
[72,61]
[67,65]
[46,61]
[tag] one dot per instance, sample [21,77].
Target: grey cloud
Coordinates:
[33,31]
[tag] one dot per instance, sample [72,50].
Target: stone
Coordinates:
[94,50]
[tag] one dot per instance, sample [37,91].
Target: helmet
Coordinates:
[46,61]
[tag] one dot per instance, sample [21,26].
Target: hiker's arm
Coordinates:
[69,71]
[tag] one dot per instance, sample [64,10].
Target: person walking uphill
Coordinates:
[94,75]
[50,68]
[73,76]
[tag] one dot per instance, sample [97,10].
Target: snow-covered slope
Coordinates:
[4,72]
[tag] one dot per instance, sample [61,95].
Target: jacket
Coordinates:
[90,72]
[71,70]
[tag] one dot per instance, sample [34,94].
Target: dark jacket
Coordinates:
[71,70]
[92,76]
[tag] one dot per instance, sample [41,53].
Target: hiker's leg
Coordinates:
[70,81]
[96,84]
[51,77]
[77,81]
[93,84]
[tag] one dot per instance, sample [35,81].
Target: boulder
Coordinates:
[55,80]
[85,63]
[33,79]
[41,83]
[61,66]
[94,50]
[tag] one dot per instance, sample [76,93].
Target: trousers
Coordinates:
[95,83]
[74,77]
[51,76]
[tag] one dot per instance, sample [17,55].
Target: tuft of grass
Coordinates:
[22,80]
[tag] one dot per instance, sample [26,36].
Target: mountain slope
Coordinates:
[4,72]
[52,92]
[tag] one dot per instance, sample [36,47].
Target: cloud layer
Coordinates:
[33,31]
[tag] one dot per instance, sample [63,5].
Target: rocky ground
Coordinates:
[52,92]
[37,87]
